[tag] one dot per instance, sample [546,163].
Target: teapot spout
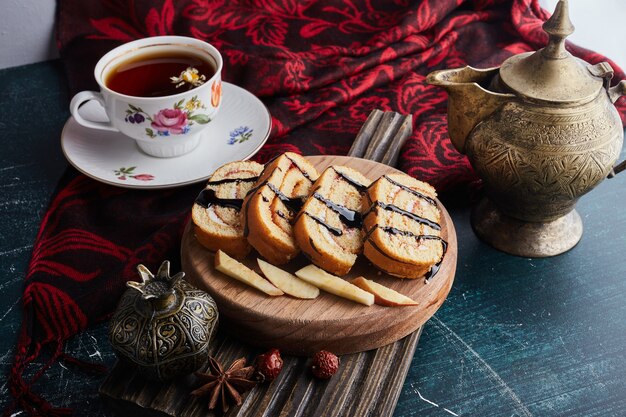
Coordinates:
[469,99]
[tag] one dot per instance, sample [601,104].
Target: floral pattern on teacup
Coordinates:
[124,173]
[216,92]
[239,135]
[172,121]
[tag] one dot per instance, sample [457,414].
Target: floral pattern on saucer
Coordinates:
[166,122]
[124,173]
[240,135]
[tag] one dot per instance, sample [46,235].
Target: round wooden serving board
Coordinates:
[302,327]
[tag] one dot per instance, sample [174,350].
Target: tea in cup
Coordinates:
[161,91]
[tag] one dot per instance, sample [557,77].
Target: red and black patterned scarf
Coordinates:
[319,66]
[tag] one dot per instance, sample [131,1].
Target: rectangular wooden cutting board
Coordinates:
[368,384]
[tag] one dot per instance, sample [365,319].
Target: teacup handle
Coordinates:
[83,97]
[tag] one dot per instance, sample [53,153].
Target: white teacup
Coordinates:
[163,126]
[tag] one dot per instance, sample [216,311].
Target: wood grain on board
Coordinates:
[367,385]
[302,327]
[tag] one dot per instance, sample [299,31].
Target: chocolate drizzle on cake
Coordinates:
[272,160]
[303,172]
[360,187]
[412,191]
[334,230]
[313,246]
[293,204]
[435,268]
[246,230]
[350,218]
[232,180]
[208,198]
[396,209]
[397,232]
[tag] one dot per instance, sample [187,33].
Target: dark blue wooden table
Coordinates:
[516,337]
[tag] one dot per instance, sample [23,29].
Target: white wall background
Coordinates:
[26,32]
[600,26]
[26,29]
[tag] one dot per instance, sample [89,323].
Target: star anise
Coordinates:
[227,386]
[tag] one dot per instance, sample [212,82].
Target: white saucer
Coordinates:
[237,133]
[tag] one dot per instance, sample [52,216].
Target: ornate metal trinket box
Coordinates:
[163,325]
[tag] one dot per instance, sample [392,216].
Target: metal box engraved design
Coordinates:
[163,326]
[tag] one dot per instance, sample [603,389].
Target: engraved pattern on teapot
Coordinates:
[550,127]
[550,157]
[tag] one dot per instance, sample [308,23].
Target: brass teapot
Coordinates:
[541,131]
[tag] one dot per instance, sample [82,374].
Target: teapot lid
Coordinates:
[552,73]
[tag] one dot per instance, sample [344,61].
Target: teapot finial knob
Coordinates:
[558,27]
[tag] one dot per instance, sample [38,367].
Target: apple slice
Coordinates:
[383,296]
[334,285]
[288,283]
[240,272]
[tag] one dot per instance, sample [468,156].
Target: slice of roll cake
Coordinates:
[402,227]
[328,228]
[215,214]
[273,202]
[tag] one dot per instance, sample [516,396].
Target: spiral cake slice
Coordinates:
[273,202]
[402,228]
[328,228]
[215,214]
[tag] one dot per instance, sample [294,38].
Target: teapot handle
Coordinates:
[617,91]
[605,71]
